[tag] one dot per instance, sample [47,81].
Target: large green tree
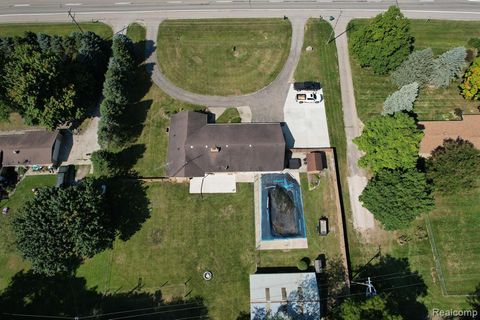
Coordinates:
[389,142]
[454,166]
[59,227]
[384,43]
[396,197]
[370,309]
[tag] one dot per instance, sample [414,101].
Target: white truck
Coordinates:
[308,97]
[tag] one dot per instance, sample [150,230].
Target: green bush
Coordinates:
[474,43]
[303,264]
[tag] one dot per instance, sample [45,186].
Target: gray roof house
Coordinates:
[27,148]
[295,295]
[196,147]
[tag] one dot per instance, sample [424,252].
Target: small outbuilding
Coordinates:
[295,295]
[316,161]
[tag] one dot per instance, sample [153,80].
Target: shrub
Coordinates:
[470,87]
[417,68]
[401,100]
[448,66]
[303,264]
[384,42]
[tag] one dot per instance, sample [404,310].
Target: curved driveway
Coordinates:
[266,104]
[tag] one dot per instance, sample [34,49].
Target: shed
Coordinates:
[316,161]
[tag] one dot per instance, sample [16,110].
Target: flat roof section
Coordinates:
[295,293]
[214,183]
[307,122]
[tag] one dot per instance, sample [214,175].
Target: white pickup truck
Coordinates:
[309,97]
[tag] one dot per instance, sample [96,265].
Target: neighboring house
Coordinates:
[196,147]
[38,147]
[437,131]
[292,294]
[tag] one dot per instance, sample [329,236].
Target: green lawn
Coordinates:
[454,222]
[10,260]
[230,115]
[440,35]
[223,56]
[62,29]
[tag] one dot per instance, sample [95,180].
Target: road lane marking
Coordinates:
[174,1]
[275,0]
[72,4]
[224,1]
[22,5]
[122,3]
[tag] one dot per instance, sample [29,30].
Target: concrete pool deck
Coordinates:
[281,244]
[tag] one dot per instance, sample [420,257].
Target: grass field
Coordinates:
[62,29]
[371,90]
[230,115]
[10,259]
[223,57]
[454,223]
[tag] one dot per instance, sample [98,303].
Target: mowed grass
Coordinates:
[223,56]
[185,236]
[454,222]
[432,104]
[230,115]
[61,29]
[10,259]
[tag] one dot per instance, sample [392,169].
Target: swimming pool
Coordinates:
[281,208]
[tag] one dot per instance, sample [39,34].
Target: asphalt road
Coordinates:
[9,7]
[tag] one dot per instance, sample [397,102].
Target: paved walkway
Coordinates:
[357,179]
[266,104]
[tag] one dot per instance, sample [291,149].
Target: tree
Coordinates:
[454,166]
[59,227]
[471,81]
[397,197]
[370,309]
[384,42]
[389,142]
[448,66]
[417,68]
[401,100]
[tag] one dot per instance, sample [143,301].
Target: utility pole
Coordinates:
[370,291]
[333,29]
[72,16]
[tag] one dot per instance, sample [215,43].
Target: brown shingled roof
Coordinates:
[196,147]
[437,131]
[27,148]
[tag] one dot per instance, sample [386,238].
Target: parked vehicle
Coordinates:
[309,97]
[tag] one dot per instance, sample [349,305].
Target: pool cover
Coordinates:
[281,207]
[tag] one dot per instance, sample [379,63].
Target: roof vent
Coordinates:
[16,151]
[215,149]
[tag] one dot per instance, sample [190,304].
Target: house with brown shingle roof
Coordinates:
[196,147]
[437,131]
[36,147]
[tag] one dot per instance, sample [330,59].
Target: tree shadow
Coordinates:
[402,287]
[127,158]
[474,301]
[68,296]
[129,205]
[332,284]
